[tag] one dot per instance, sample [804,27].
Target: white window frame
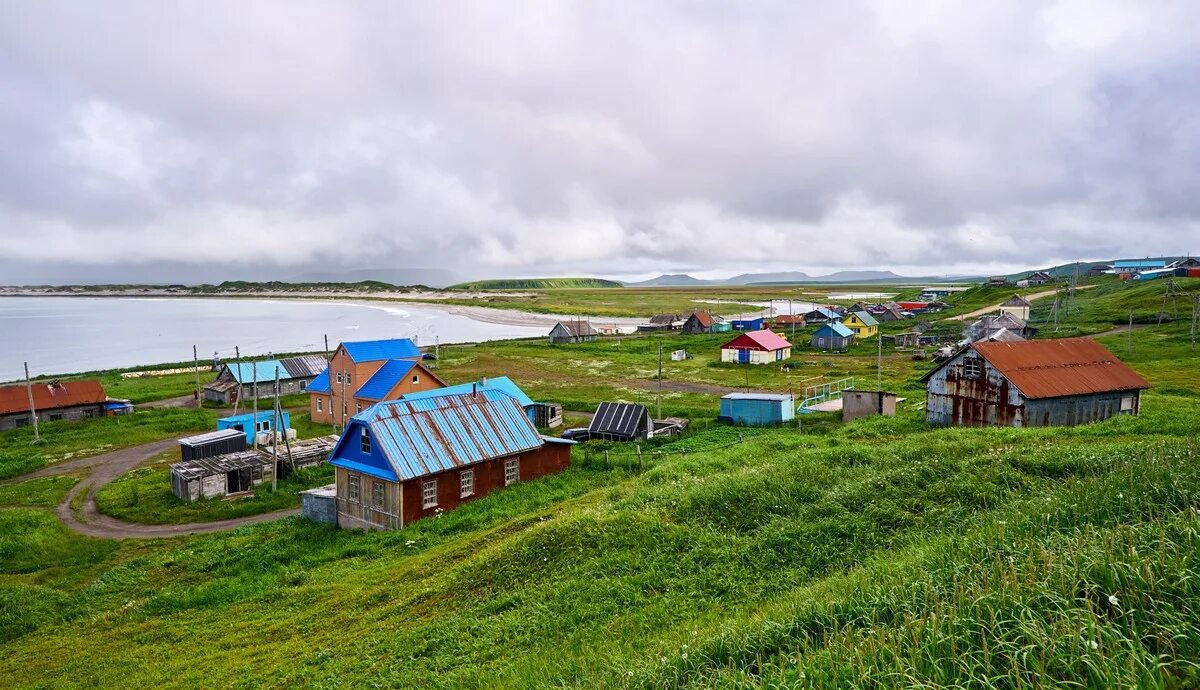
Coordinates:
[378,494]
[466,483]
[364,440]
[357,407]
[339,377]
[429,493]
[512,471]
[416,379]
[319,406]
[353,488]
[1127,403]
[349,379]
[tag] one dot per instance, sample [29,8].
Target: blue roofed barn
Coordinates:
[402,460]
[833,336]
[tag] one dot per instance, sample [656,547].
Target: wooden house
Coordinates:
[863,324]
[572,332]
[821,315]
[52,401]
[241,381]
[987,327]
[363,373]
[698,322]
[404,460]
[756,347]
[1032,383]
[662,322]
[833,336]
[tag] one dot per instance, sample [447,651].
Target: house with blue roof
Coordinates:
[365,372]
[245,380]
[821,315]
[833,335]
[403,460]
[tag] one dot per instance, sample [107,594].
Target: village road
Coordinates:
[100,470]
[995,307]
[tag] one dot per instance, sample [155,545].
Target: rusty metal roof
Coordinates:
[51,396]
[1058,368]
[425,436]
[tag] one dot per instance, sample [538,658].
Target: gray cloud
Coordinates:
[273,139]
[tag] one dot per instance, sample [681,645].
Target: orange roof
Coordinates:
[1057,368]
[50,396]
[704,318]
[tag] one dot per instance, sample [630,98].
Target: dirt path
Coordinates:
[104,469]
[1118,330]
[993,308]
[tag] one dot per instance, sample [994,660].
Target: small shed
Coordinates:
[721,327]
[756,347]
[856,403]
[545,415]
[616,421]
[320,505]
[116,408]
[246,423]
[212,444]
[572,332]
[832,336]
[679,355]
[757,409]
[219,475]
[753,323]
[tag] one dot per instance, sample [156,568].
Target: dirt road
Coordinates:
[101,470]
[995,307]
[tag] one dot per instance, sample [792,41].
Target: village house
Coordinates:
[699,322]
[999,281]
[405,460]
[792,321]
[989,327]
[756,347]
[1032,383]
[1017,306]
[547,415]
[886,313]
[237,381]
[833,336]
[821,315]
[863,324]
[572,332]
[1039,278]
[365,372]
[52,401]
[662,322]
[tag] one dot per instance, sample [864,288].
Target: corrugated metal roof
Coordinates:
[767,340]
[837,327]
[430,435]
[500,383]
[620,419]
[245,372]
[51,396]
[866,318]
[577,329]
[320,384]
[704,318]
[304,366]
[826,312]
[209,437]
[383,381]
[375,350]
[1062,367]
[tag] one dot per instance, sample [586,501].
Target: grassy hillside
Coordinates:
[536,284]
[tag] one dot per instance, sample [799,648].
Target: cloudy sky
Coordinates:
[209,140]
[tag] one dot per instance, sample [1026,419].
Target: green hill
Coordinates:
[536,284]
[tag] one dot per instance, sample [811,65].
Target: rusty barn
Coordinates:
[1032,383]
[403,460]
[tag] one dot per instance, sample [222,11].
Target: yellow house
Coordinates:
[863,324]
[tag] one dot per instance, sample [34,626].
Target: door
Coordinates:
[237,481]
[743,356]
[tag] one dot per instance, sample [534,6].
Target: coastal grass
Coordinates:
[884,551]
[68,440]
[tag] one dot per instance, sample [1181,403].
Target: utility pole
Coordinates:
[437,352]
[879,363]
[1129,335]
[196,367]
[254,423]
[343,376]
[37,438]
[658,402]
[274,438]
[326,347]
[1195,319]
[237,396]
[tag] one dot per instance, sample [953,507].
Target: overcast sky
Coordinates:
[255,139]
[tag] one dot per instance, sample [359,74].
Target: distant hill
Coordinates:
[536,284]
[434,277]
[671,279]
[682,279]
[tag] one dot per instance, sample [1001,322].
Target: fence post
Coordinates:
[639,455]
[606,465]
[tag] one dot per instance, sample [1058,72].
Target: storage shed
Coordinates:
[756,347]
[1032,383]
[757,409]
[832,336]
[246,423]
[219,475]
[754,323]
[856,403]
[212,444]
[621,422]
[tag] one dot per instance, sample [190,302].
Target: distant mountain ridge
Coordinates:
[535,284]
[683,279]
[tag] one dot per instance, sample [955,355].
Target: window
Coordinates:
[320,406]
[972,367]
[303,385]
[429,493]
[353,489]
[54,417]
[512,471]
[365,440]
[357,408]
[1127,403]
[348,381]
[416,379]
[466,483]
[339,377]
[377,494]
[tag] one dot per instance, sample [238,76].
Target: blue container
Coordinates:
[245,422]
[755,324]
[757,409]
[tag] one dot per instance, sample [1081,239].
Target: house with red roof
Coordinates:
[53,401]
[756,347]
